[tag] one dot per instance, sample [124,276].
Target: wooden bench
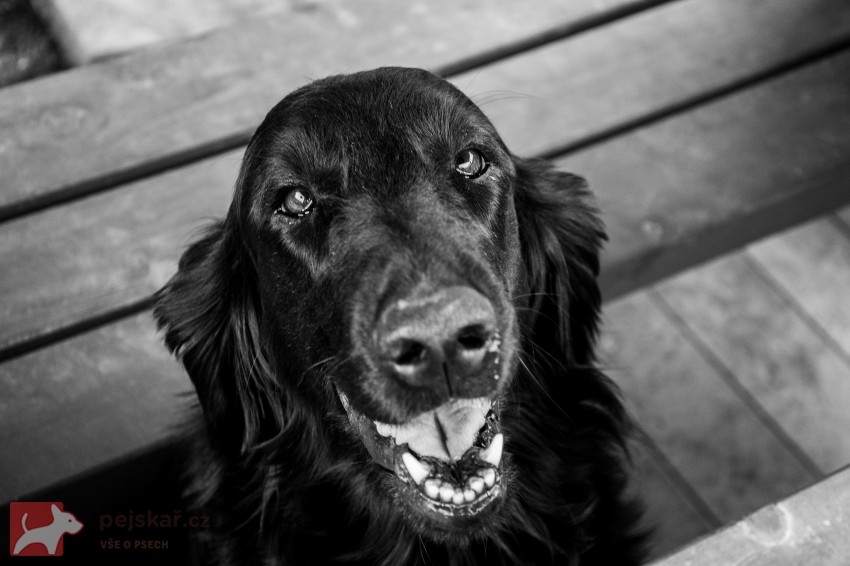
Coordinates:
[701,125]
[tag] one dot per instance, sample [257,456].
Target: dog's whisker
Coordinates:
[326,367]
[319,364]
[423,550]
[542,386]
[535,294]
[489,96]
[471,80]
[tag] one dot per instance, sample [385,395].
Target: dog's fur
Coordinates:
[274,317]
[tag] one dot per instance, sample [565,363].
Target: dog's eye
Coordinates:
[470,163]
[297,202]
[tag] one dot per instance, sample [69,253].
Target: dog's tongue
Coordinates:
[446,432]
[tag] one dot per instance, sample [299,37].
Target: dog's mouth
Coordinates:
[450,458]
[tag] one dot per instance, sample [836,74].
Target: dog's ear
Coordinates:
[211,321]
[561,235]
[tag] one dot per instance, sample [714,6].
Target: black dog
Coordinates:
[391,337]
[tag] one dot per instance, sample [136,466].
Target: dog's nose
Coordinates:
[443,336]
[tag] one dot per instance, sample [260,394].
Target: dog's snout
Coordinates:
[444,336]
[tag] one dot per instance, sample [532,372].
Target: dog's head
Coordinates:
[385,268]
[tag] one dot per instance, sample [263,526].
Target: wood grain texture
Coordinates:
[670,514]
[572,90]
[92,29]
[720,176]
[87,127]
[812,264]
[84,402]
[667,202]
[801,382]
[729,457]
[811,527]
[78,260]
[87,257]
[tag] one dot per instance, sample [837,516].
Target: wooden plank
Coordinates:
[98,396]
[569,91]
[812,527]
[92,29]
[79,130]
[812,264]
[84,402]
[671,515]
[692,187]
[83,259]
[844,216]
[702,205]
[729,457]
[786,368]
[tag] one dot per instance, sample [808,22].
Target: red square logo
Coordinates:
[36,528]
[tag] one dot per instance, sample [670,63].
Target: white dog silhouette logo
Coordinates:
[48,535]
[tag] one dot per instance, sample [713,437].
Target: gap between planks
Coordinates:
[213,147]
[217,147]
[26,341]
[774,282]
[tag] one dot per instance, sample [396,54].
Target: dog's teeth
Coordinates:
[447,493]
[468,495]
[489,477]
[493,453]
[476,484]
[385,429]
[457,498]
[417,470]
[432,489]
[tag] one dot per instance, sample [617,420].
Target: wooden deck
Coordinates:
[703,126]
[739,373]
